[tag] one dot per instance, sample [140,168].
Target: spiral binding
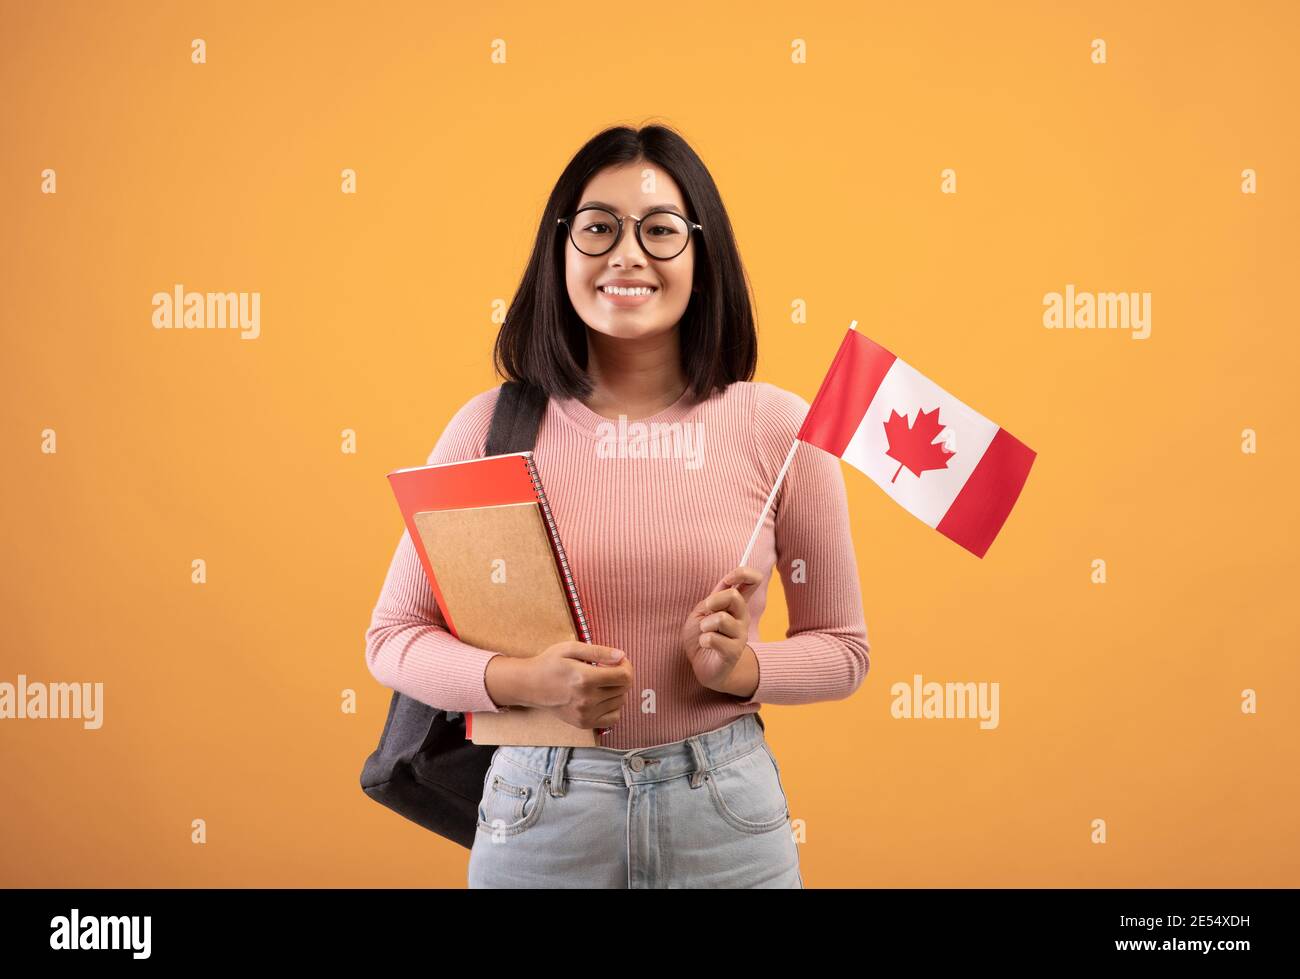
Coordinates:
[569,585]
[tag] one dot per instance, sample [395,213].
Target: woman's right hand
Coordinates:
[563,680]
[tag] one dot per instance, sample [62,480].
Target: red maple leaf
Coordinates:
[913,445]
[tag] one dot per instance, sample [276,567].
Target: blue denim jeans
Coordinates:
[707,811]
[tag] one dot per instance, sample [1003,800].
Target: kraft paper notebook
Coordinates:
[497,568]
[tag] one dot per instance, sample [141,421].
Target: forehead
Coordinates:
[633,187]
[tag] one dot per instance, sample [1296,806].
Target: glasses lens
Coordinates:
[594,231]
[664,235]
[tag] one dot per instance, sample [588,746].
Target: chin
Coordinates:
[632,331]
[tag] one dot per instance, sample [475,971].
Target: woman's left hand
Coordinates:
[717,630]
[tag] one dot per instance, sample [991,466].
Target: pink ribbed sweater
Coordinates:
[647,538]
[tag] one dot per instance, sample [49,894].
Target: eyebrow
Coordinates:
[653,207]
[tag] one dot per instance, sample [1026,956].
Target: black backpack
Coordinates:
[424,768]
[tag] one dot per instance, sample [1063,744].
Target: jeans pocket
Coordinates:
[747,792]
[513,798]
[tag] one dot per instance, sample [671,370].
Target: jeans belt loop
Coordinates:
[558,763]
[701,765]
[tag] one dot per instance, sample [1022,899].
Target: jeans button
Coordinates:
[636,763]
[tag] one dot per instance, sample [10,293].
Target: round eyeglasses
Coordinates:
[662,234]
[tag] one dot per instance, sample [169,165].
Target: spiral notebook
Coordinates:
[494,560]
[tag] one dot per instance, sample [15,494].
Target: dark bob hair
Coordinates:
[543,341]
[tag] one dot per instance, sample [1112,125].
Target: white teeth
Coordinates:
[621,291]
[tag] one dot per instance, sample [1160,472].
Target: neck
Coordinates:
[634,377]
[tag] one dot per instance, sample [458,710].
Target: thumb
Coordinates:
[604,654]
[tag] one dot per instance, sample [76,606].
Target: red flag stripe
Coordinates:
[980,509]
[853,380]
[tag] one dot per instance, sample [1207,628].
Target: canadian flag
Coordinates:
[941,461]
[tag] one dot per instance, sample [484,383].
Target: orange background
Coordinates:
[222,701]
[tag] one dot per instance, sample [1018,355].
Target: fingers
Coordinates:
[610,719]
[717,641]
[609,712]
[740,578]
[743,577]
[592,652]
[722,622]
[610,703]
[616,676]
[725,601]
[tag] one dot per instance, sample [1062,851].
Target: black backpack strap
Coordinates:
[424,768]
[516,418]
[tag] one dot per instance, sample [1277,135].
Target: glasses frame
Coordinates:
[692,230]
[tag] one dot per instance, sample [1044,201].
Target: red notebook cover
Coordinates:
[489,481]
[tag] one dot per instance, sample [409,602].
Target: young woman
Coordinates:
[634,307]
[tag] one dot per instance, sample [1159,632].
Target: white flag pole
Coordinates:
[772,495]
[768,505]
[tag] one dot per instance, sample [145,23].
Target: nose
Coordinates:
[628,250]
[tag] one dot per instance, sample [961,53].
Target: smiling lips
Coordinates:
[627,295]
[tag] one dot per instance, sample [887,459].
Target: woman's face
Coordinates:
[621,190]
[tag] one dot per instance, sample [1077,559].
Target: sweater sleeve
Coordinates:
[825,655]
[408,646]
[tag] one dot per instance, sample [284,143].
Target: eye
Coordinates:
[598,224]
